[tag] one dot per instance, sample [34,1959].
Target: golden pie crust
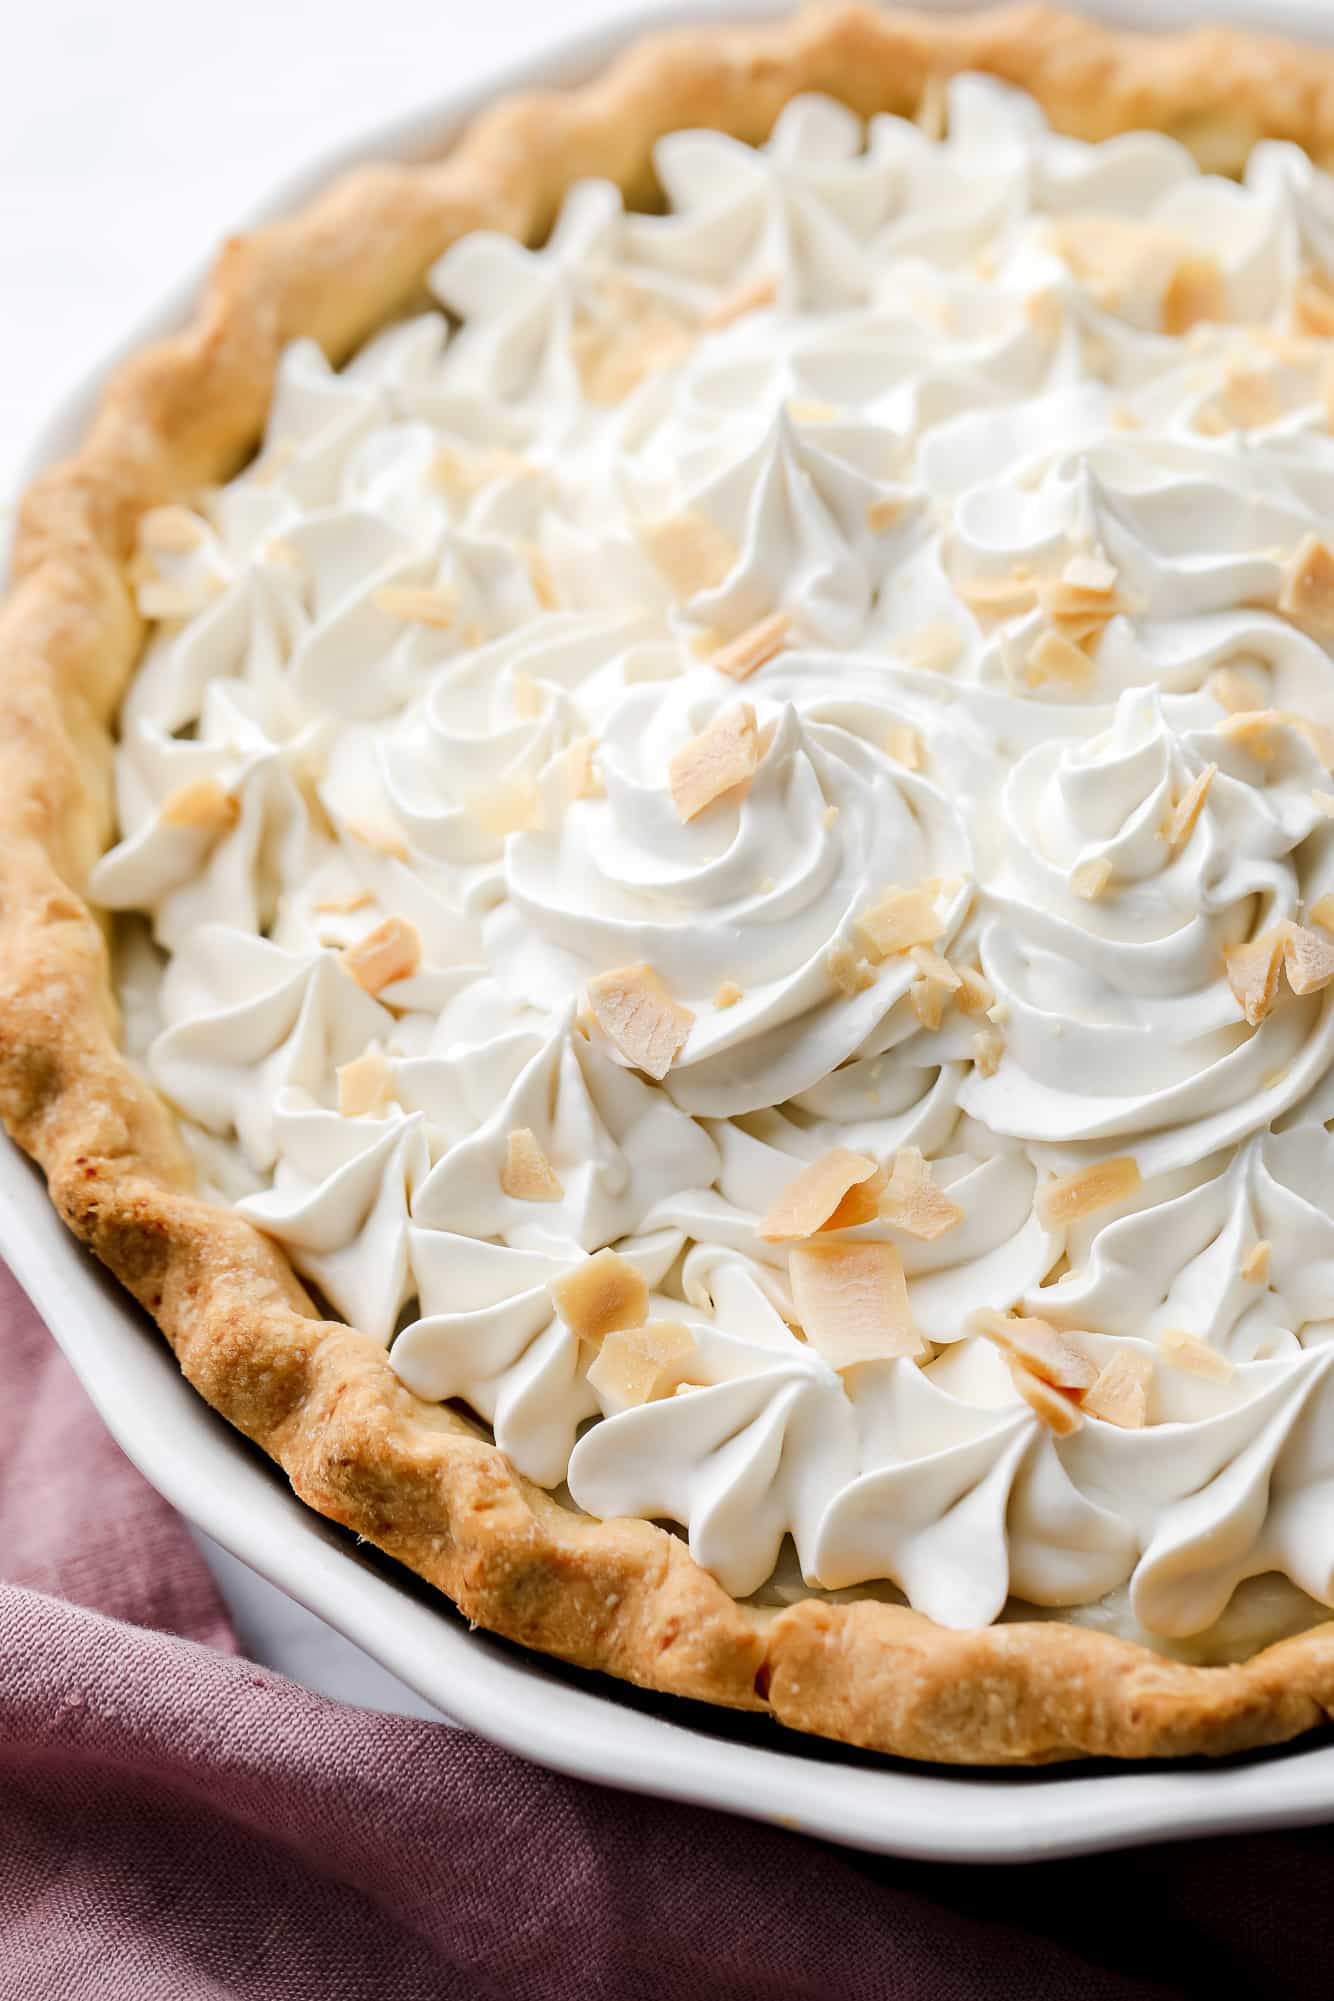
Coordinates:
[412,1477]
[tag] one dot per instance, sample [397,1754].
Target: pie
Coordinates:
[667,872]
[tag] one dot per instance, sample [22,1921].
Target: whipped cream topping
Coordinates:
[970,485]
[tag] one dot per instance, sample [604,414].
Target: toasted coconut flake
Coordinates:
[1114,259]
[912,1202]
[1307,592]
[722,756]
[1308,959]
[417,606]
[1248,400]
[811,1197]
[634,1009]
[1254,732]
[849,972]
[1323,802]
[691,551]
[392,951]
[851,1300]
[601,1296]
[936,987]
[728,994]
[986,1049]
[897,920]
[1000,597]
[638,1365]
[1057,1411]
[366,1085]
[614,355]
[829,817]
[281,555]
[1083,629]
[1184,1351]
[1181,820]
[1089,570]
[1196,293]
[337,906]
[466,474]
[934,648]
[509,806]
[905,746]
[158,600]
[1252,973]
[809,410]
[928,1003]
[1121,1393]
[860,1205]
[1085,607]
[751,649]
[170,530]
[1045,311]
[527,1174]
[540,576]
[1054,657]
[581,778]
[1313,305]
[936,969]
[1322,912]
[1067,1197]
[1038,1347]
[1255,1264]
[1236,689]
[976,993]
[1090,879]
[752,297]
[203,804]
[381,836]
[882,514]
[527,696]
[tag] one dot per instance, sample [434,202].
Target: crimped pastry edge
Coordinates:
[411,1477]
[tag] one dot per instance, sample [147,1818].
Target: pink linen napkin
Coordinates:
[177,1824]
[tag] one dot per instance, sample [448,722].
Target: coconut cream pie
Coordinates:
[720,1023]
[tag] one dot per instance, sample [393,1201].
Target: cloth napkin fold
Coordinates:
[177,1824]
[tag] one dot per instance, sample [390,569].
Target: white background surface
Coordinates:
[132,138]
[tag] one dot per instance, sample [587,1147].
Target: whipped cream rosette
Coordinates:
[736,831]
[1133,863]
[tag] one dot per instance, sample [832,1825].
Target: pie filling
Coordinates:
[733,838]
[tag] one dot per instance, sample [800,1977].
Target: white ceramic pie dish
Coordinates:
[591,1728]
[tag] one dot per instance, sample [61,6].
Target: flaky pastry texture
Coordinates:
[415,1479]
